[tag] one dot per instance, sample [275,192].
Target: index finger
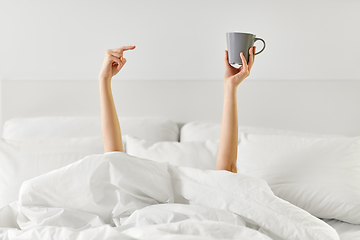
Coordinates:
[123,48]
[226,58]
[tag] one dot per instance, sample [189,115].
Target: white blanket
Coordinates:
[117,196]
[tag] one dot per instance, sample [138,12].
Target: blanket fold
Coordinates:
[120,194]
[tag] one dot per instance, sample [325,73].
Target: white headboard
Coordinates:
[313,106]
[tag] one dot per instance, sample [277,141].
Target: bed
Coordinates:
[298,162]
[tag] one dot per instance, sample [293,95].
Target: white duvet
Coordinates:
[117,196]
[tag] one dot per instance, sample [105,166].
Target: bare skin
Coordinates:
[227,154]
[111,133]
[110,127]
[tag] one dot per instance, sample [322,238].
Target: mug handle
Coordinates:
[262,48]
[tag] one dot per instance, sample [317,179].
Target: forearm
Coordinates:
[227,154]
[110,126]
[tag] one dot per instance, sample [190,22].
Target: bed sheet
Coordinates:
[345,230]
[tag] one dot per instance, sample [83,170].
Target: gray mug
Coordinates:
[238,42]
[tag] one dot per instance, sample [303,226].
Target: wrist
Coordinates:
[230,87]
[104,79]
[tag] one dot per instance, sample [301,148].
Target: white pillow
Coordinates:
[21,160]
[51,127]
[150,128]
[199,131]
[318,174]
[192,154]
[202,131]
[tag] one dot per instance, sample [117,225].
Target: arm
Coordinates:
[110,126]
[227,154]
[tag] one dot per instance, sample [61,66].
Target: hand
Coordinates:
[113,62]
[234,76]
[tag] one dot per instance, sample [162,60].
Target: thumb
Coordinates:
[123,61]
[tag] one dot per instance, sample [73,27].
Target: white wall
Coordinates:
[185,39]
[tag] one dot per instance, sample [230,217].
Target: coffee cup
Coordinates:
[238,42]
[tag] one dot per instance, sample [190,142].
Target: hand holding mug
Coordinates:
[234,76]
